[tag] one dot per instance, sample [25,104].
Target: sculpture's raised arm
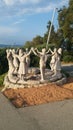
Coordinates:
[25,55]
[14,54]
[8,51]
[51,51]
[33,50]
[48,51]
[40,53]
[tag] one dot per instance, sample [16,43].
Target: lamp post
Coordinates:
[50,27]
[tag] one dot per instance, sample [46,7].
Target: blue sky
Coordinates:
[21,20]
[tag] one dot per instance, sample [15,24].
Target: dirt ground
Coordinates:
[33,96]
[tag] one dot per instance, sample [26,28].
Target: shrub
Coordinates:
[68,58]
[34,60]
[3,61]
[1,81]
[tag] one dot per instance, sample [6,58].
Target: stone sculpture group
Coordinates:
[19,65]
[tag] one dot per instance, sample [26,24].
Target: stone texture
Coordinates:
[61,81]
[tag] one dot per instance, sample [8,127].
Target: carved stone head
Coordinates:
[20,52]
[44,50]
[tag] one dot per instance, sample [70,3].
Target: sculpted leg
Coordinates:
[42,73]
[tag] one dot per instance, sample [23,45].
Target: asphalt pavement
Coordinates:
[68,68]
[51,116]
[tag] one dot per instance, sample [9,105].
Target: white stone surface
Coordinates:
[42,63]
[20,75]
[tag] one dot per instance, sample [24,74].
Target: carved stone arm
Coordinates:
[51,51]
[34,52]
[40,53]
[25,55]
[17,56]
[48,51]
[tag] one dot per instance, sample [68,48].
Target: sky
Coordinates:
[22,20]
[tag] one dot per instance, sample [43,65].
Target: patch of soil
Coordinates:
[33,96]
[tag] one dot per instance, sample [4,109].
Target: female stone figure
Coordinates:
[53,59]
[55,63]
[42,63]
[57,66]
[11,67]
[10,61]
[22,67]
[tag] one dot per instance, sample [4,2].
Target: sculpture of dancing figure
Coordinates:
[27,60]
[10,61]
[22,67]
[43,58]
[11,66]
[55,63]
[57,66]
[53,60]
[15,61]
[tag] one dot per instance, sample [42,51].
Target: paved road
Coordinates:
[51,116]
[68,69]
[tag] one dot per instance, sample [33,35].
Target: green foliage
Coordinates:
[38,40]
[65,52]
[53,36]
[28,44]
[3,61]
[35,61]
[65,19]
[1,81]
[68,58]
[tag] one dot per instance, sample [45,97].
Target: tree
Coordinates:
[54,37]
[3,61]
[28,44]
[37,40]
[65,18]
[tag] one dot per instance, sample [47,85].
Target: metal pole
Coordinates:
[50,27]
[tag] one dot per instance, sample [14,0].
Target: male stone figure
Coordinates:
[43,58]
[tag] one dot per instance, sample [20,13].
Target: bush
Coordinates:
[68,58]
[2,80]
[34,60]
[3,61]
[65,52]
